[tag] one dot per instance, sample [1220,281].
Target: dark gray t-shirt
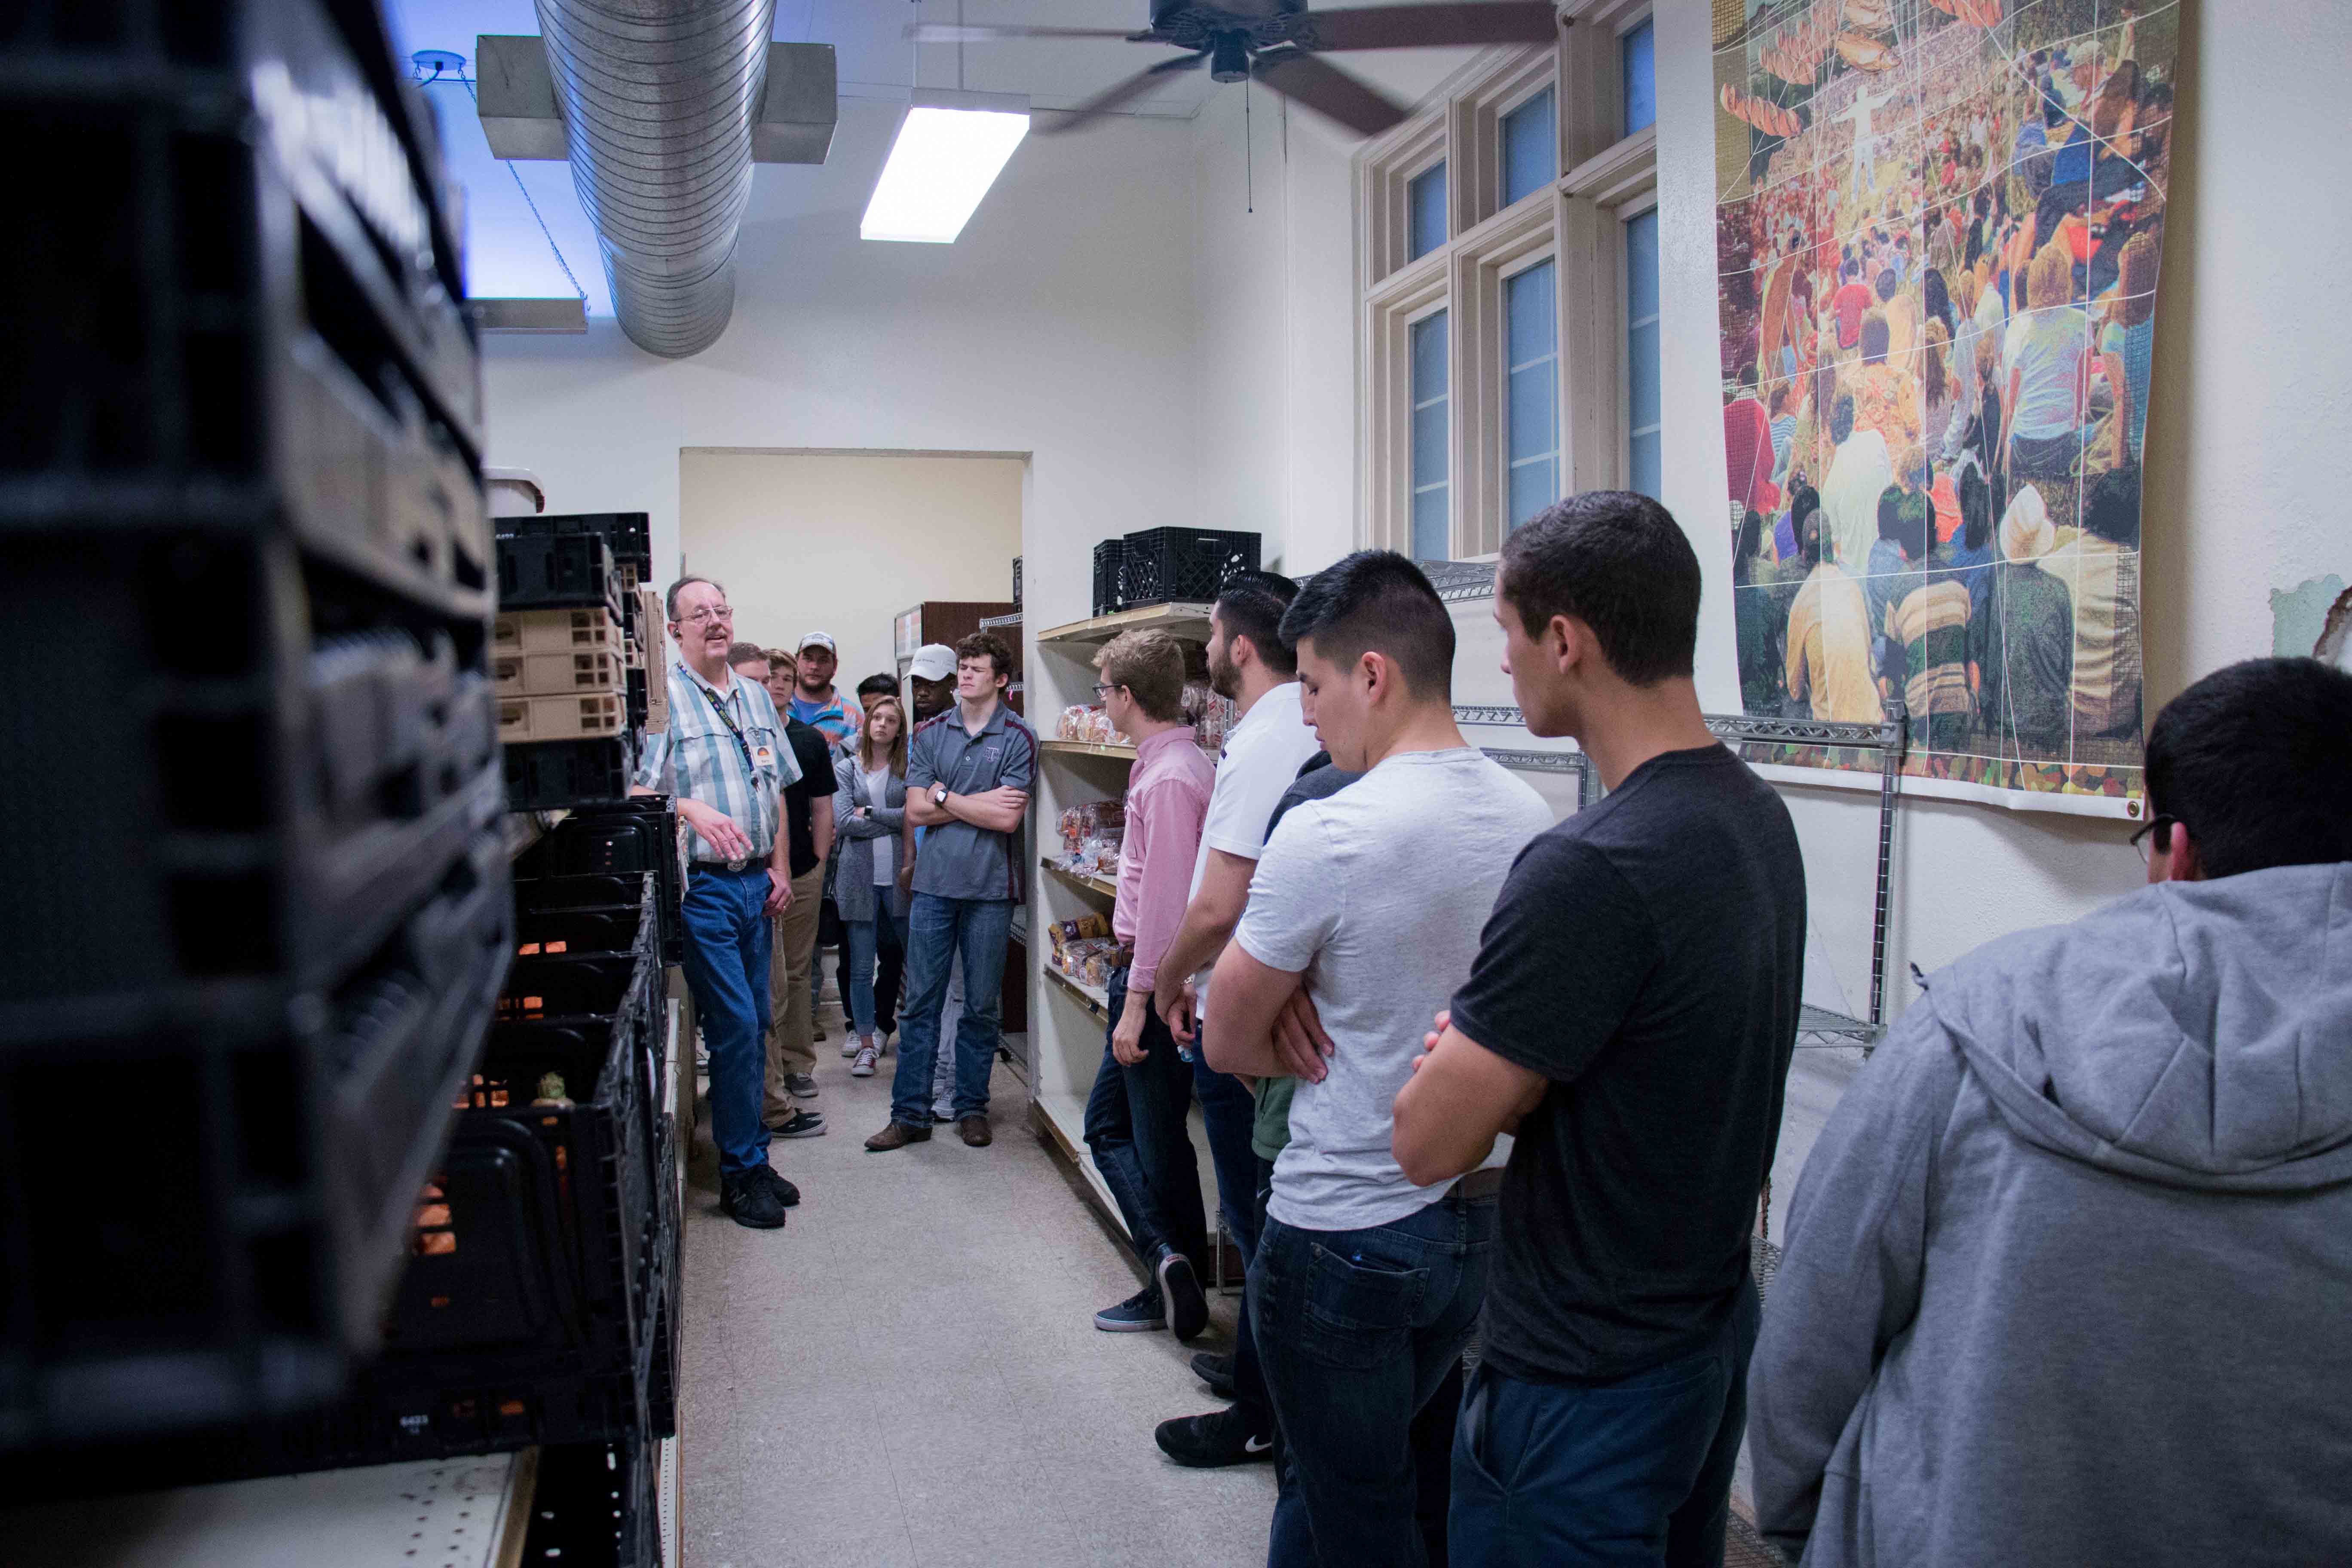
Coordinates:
[1646,956]
[957,860]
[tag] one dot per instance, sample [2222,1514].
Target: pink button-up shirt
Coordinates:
[1167,797]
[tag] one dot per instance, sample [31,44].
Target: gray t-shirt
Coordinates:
[1378,895]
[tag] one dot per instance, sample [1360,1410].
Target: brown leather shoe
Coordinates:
[975,1132]
[898,1135]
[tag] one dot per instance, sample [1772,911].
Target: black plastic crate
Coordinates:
[1182,565]
[1110,588]
[637,698]
[597,1505]
[572,865]
[556,571]
[306,1122]
[545,774]
[629,534]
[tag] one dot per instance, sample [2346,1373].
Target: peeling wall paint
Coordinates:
[2299,614]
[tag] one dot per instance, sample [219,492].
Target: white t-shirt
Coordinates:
[1262,758]
[1378,893]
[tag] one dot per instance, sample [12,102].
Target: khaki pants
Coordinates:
[791,1043]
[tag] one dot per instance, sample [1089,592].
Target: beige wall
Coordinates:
[841,541]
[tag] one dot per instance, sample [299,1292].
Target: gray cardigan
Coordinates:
[853,883]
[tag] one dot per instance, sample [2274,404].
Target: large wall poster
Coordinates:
[1939,226]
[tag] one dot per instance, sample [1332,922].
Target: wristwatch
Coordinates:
[939,795]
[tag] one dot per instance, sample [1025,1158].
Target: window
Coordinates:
[1531,330]
[1530,148]
[1637,55]
[1644,466]
[1510,291]
[1425,222]
[1431,489]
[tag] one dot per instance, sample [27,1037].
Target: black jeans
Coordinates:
[1135,1128]
[1357,1331]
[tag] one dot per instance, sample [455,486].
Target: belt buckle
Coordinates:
[738,863]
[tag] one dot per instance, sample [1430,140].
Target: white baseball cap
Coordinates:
[933,661]
[818,639]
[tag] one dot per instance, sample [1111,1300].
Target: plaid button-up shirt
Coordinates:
[700,758]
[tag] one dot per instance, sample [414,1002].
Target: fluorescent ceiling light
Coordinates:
[950,148]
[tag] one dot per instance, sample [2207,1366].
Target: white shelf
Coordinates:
[1090,883]
[1183,618]
[1088,749]
[1092,998]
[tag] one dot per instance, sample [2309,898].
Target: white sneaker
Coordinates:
[849,1045]
[863,1066]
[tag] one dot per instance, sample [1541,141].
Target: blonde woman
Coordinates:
[869,804]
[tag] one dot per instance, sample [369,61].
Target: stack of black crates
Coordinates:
[1169,565]
[574,591]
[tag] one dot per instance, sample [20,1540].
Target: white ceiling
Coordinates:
[509,257]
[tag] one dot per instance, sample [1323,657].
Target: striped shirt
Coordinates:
[699,757]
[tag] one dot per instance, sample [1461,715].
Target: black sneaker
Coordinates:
[1187,1307]
[786,1193]
[800,1124]
[751,1202]
[1137,1313]
[1216,1371]
[1212,1442]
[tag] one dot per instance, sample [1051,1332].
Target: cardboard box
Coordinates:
[557,631]
[560,718]
[554,674]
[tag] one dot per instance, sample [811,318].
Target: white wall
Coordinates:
[841,541]
[1060,325]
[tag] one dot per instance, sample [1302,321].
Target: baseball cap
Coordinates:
[821,640]
[933,661]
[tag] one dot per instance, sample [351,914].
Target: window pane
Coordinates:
[1425,213]
[1532,390]
[1635,51]
[1644,454]
[1530,148]
[1432,538]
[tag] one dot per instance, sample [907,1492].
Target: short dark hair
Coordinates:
[1976,509]
[987,645]
[1377,601]
[2111,508]
[747,653]
[2253,760]
[1842,419]
[669,600]
[1619,562]
[878,686]
[1252,605]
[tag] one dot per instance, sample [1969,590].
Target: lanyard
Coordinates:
[727,719]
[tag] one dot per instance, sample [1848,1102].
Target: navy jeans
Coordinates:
[1135,1127]
[861,941]
[937,930]
[727,937]
[1632,1472]
[1357,1331]
[1228,1114]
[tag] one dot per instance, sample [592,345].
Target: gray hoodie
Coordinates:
[2069,1274]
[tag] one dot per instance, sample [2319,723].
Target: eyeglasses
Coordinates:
[704,618]
[2161,846]
[1104,689]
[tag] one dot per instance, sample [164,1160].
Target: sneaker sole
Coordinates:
[861,1072]
[1189,1308]
[1130,1325]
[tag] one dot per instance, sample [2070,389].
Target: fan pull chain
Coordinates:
[1249,154]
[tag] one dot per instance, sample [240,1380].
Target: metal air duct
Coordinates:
[658,98]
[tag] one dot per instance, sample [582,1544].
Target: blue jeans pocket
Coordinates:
[1359,1314]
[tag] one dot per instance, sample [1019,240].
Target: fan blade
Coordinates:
[1329,90]
[956,32]
[1103,102]
[1432,26]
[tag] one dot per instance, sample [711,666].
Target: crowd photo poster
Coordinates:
[1938,225]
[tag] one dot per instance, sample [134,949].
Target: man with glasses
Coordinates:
[724,759]
[2066,1272]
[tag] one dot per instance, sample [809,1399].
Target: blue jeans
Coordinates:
[1135,1126]
[727,937]
[1356,1330]
[861,941]
[1632,1472]
[1228,1114]
[937,930]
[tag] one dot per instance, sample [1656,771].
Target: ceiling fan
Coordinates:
[1280,44]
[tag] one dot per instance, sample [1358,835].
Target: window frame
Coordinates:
[1578,224]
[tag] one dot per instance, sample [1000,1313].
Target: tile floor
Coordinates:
[909,1373]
